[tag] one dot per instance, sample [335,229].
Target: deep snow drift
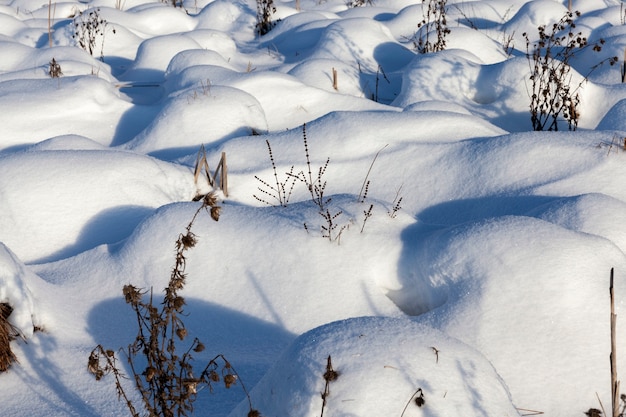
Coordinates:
[463,257]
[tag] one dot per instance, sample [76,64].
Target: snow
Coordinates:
[485,290]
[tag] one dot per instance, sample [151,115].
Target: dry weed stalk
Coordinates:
[163,374]
[615,397]
[282,191]
[417,397]
[329,376]
[624,67]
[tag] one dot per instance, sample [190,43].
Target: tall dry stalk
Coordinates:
[614,382]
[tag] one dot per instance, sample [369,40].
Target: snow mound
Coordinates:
[537,288]
[90,105]
[68,214]
[615,118]
[195,116]
[454,381]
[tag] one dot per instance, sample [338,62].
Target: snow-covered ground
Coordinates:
[485,290]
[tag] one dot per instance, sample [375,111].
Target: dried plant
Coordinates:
[395,205]
[417,398]
[367,213]
[331,230]
[164,374]
[316,185]
[553,98]
[281,192]
[54,69]
[366,182]
[88,26]
[623,68]
[434,21]
[265,9]
[379,71]
[329,376]
[175,3]
[359,3]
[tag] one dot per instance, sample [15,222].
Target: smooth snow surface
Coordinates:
[484,289]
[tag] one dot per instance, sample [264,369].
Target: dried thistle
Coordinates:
[188,240]
[132,295]
[229,380]
[215,213]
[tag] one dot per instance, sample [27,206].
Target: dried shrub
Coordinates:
[553,98]
[265,9]
[88,26]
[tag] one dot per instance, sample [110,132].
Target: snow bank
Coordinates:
[453,378]
[62,215]
[528,294]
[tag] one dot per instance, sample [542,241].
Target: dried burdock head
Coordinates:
[188,241]
[419,398]
[330,374]
[594,412]
[254,413]
[229,380]
[215,212]
[181,333]
[132,295]
[191,386]
[93,366]
[214,376]
[210,199]
[199,347]
[178,303]
[149,373]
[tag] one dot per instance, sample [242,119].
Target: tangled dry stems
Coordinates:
[163,374]
[553,97]
[434,20]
